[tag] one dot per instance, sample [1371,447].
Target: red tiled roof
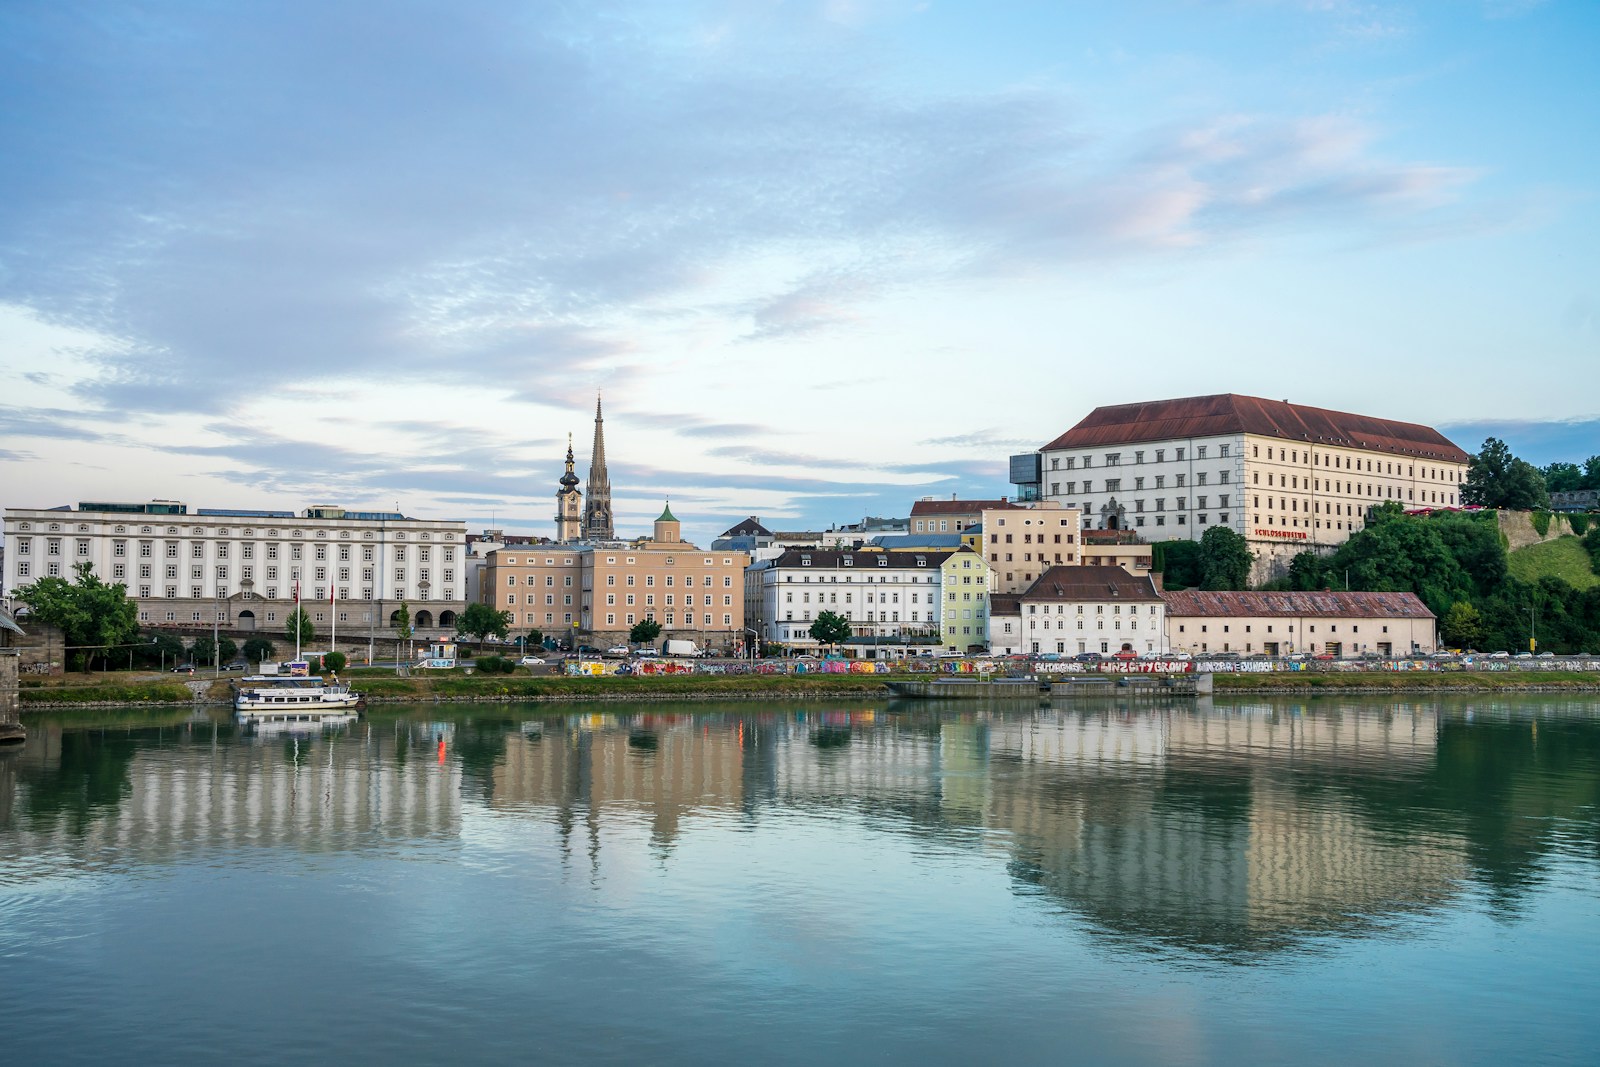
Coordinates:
[1230,413]
[1091,583]
[1324,604]
[961,507]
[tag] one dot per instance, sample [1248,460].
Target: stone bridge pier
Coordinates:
[10,697]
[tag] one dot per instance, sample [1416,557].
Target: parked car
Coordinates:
[183,668]
[1545,655]
[1125,654]
[1087,657]
[236,666]
[1049,657]
[531,661]
[617,650]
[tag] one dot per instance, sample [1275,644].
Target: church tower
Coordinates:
[597,523]
[569,504]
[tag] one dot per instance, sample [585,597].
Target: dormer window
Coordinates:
[849,562]
[883,562]
[805,561]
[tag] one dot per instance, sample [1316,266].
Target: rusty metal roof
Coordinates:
[1323,604]
[1091,583]
[1230,413]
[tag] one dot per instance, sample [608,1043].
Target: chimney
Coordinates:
[1158,580]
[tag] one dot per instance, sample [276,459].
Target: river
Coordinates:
[1239,881]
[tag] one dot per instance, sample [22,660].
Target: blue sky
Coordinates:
[822,258]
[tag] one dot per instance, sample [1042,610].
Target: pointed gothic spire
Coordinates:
[597,523]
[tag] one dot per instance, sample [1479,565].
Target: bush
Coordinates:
[314,664]
[1541,522]
[1579,521]
[335,661]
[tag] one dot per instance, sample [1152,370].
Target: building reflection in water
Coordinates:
[1235,830]
[121,798]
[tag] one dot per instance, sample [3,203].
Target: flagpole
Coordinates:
[333,610]
[297,620]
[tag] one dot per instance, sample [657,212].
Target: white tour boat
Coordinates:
[295,698]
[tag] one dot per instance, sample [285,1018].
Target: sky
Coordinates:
[821,259]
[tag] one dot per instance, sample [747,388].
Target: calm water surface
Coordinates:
[1330,881]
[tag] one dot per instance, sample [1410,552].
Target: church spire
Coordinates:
[569,503]
[597,523]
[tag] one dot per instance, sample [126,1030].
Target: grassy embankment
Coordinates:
[1563,558]
[1400,681]
[382,686]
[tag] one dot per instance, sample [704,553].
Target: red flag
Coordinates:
[332,593]
[297,590]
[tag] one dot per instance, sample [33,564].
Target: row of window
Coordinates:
[611,561]
[171,549]
[226,531]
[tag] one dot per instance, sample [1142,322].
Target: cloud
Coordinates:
[695,425]
[59,423]
[323,211]
[1540,442]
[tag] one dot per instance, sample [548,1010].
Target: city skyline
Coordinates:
[270,258]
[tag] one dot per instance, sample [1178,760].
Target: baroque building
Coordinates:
[569,504]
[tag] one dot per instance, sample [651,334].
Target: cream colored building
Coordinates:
[240,567]
[1021,542]
[1281,623]
[1286,477]
[596,593]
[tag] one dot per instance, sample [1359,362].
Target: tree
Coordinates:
[201,653]
[481,620]
[1497,479]
[644,631]
[1399,555]
[227,649]
[830,628]
[299,622]
[1462,626]
[1179,563]
[1306,572]
[92,615]
[402,626]
[1562,477]
[1225,559]
[257,649]
[334,661]
[535,639]
[1591,473]
[162,649]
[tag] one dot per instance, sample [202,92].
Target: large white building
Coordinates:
[893,600]
[1285,476]
[240,567]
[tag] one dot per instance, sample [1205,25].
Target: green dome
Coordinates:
[666,514]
